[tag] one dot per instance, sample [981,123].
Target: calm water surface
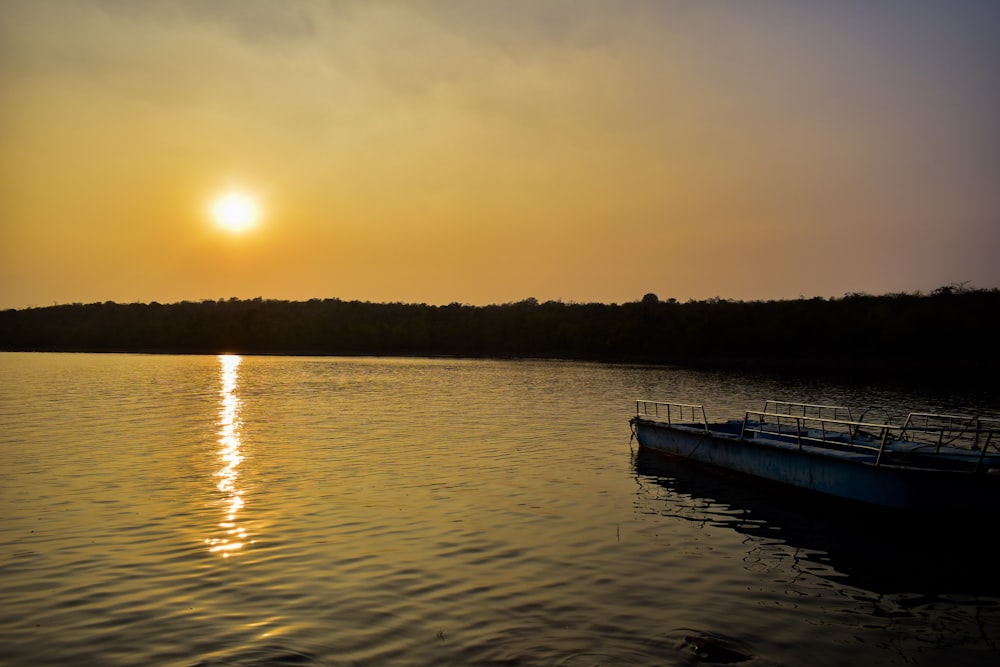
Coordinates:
[199,510]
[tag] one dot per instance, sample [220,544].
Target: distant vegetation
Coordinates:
[953,329]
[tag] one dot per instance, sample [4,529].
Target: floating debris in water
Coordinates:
[714,649]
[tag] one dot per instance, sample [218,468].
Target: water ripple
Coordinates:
[419,512]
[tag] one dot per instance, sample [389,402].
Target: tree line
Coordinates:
[953,327]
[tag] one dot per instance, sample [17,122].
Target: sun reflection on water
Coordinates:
[233,536]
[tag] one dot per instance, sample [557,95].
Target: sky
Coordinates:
[487,152]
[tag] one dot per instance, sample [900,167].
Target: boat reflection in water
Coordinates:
[883,551]
[233,536]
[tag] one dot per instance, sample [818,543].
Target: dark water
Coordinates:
[316,511]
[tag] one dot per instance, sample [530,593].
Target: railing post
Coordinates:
[986,445]
[881,449]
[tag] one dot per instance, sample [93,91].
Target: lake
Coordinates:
[203,510]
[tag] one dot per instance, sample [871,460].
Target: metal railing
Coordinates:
[972,433]
[818,431]
[671,412]
[966,439]
[808,409]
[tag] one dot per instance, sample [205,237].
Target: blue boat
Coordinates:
[926,462]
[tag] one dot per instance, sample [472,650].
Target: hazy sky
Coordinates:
[485,152]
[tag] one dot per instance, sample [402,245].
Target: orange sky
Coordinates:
[486,152]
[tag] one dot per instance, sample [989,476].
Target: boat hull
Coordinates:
[845,475]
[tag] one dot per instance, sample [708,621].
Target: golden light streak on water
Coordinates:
[233,536]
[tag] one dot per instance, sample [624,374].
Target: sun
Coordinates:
[235,212]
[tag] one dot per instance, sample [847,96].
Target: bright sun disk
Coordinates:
[235,212]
